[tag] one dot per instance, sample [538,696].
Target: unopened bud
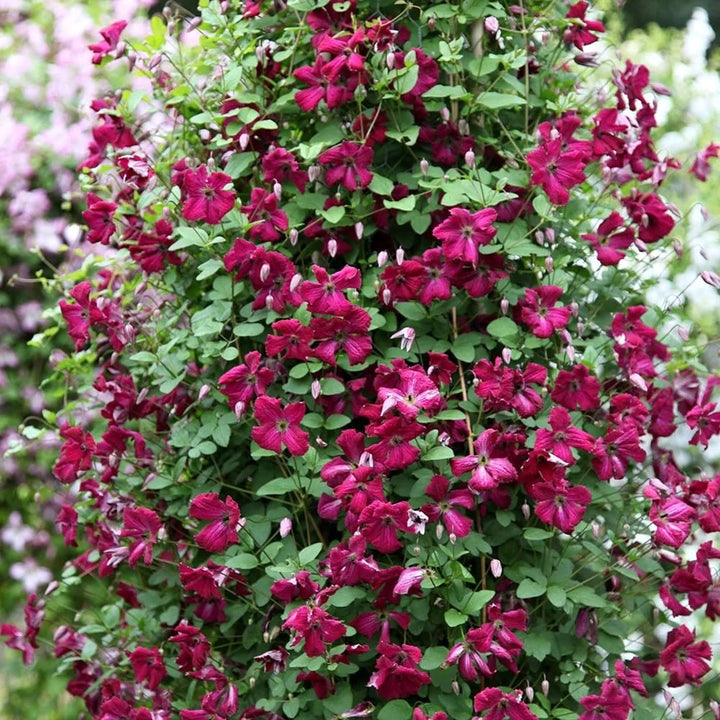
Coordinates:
[204,390]
[399,256]
[587,59]
[424,166]
[269,301]
[277,190]
[640,245]
[315,389]
[545,686]
[445,114]
[470,159]
[332,247]
[580,327]
[264,272]
[293,237]
[390,60]
[683,334]
[678,248]
[193,24]
[439,531]
[504,306]
[660,89]
[295,282]
[386,296]
[596,529]
[285,527]
[496,568]
[313,173]
[673,704]
[525,510]
[251,682]
[506,355]
[431,23]
[530,693]
[320,442]
[120,49]
[539,237]
[492,25]
[132,59]
[549,264]
[711,278]
[638,381]
[239,409]
[463,127]
[570,352]
[455,687]
[550,235]
[155,60]
[359,229]
[382,258]
[244,140]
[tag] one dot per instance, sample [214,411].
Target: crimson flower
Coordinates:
[539,313]
[222,531]
[143,525]
[75,454]
[684,659]
[455,522]
[580,32]
[613,703]
[194,647]
[415,392]
[463,232]
[701,167]
[557,170]
[110,38]
[396,673]
[315,626]
[148,666]
[380,522]
[348,164]
[293,340]
[99,219]
[488,470]
[607,243]
[560,504]
[206,198]
[280,426]
[577,389]
[326,295]
[562,437]
[501,705]
[244,382]
[269,222]
[280,165]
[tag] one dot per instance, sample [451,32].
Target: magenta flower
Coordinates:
[455,522]
[580,32]
[347,165]
[501,705]
[562,437]
[539,313]
[701,167]
[556,170]
[685,660]
[75,455]
[396,671]
[488,470]
[613,703]
[463,232]
[110,38]
[415,392]
[293,340]
[577,389]
[194,647]
[280,426]
[315,626]
[326,295]
[99,219]
[148,666]
[243,383]
[222,531]
[380,523]
[560,504]
[143,525]
[269,222]
[609,244]
[279,165]
[206,199]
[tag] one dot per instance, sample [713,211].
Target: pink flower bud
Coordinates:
[711,278]
[264,272]
[549,264]
[640,245]
[463,127]
[570,352]
[132,59]
[390,60]
[506,355]
[445,114]
[386,296]
[539,237]
[320,442]
[295,282]
[244,141]
[332,247]
[504,306]
[545,686]
[382,258]
[496,568]
[399,256]
[470,159]
[269,301]
[580,327]
[315,389]
[431,23]
[529,693]
[455,687]
[120,49]
[492,25]
[660,89]
[678,248]
[285,527]
[525,510]
[293,237]
[155,60]
[204,390]
[193,24]
[550,235]
[424,166]
[313,173]
[587,59]
[596,529]
[439,531]
[239,409]
[359,229]
[683,334]
[638,381]
[277,190]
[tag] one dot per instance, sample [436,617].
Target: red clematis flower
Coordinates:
[684,659]
[206,198]
[280,426]
[143,525]
[222,531]
[501,705]
[396,674]
[75,454]
[148,666]
[580,33]
[110,38]
[557,170]
[348,164]
[463,232]
[607,243]
[315,626]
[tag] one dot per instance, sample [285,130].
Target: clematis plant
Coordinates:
[440,415]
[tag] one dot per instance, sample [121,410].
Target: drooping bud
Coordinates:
[445,114]
[386,296]
[496,568]
[683,334]
[244,141]
[332,247]
[470,159]
[315,389]
[295,282]
[492,24]
[359,229]
[399,256]
[285,527]
[506,355]
[204,390]
[382,258]
[269,301]
[545,686]
[424,166]
[239,409]
[390,60]
[277,190]
[549,264]
[264,272]
[313,173]
[504,306]
[525,510]
[529,693]
[293,237]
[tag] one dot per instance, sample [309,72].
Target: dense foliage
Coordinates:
[366,416]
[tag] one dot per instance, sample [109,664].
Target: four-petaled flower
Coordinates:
[280,426]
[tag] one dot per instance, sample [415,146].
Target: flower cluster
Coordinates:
[370,381]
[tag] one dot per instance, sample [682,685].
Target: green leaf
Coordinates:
[209,268]
[394,710]
[331,386]
[433,658]
[407,204]
[464,348]
[446,91]
[333,214]
[439,452]
[309,553]
[556,596]
[538,644]
[411,310]
[496,101]
[381,185]
[502,327]
[242,561]
[335,422]
[533,534]
[453,618]
[476,601]
[278,486]
[529,589]
[345,596]
[240,163]
[583,595]
[189,237]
